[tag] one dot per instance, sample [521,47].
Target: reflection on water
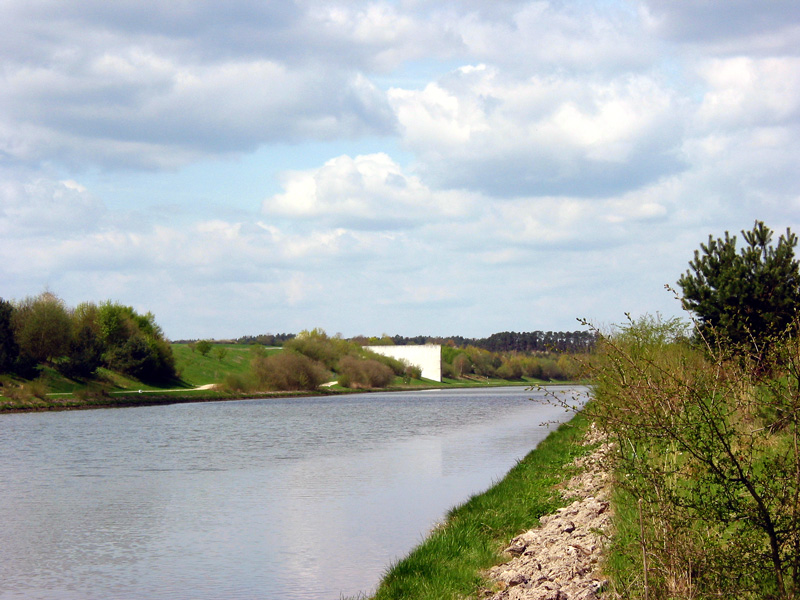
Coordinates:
[290,498]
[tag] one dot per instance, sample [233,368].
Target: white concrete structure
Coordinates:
[427,357]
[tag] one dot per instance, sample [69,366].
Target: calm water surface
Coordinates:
[295,498]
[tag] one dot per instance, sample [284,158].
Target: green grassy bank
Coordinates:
[450,562]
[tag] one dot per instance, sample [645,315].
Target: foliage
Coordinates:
[134,343]
[42,327]
[317,345]
[85,354]
[363,373]
[203,347]
[708,454]
[512,341]
[9,349]
[288,370]
[745,297]
[397,366]
[45,332]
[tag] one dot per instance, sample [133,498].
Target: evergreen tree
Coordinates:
[748,296]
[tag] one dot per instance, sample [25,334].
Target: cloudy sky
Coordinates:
[447,167]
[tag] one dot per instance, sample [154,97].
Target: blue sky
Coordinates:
[411,167]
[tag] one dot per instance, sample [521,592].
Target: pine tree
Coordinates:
[744,297]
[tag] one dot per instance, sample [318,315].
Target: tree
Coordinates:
[203,347]
[43,327]
[745,297]
[9,350]
[85,354]
[134,343]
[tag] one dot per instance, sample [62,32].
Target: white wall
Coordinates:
[427,357]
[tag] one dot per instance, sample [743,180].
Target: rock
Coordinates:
[549,565]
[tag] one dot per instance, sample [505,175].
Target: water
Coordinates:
[306,498]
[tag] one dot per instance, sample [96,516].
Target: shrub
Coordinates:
[289,370]
[316,345]
[235,382]
[364,373]
[709,460]
[397,366]
[203,347]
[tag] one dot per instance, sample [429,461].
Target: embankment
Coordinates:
[456,559]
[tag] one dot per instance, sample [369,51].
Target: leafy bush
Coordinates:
[708,461]
[203,347]
[364,373]
[316,345]
[397,366]
[289,370]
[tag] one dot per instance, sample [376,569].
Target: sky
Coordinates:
[412,167]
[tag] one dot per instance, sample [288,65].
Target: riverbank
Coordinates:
[459,558]
[90,398]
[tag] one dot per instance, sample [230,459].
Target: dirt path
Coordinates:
[559,560]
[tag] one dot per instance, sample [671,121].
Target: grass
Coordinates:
[449,564]
[196,370]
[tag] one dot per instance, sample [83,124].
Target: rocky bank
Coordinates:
[559,560]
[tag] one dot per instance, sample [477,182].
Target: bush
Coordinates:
[289,370]
[364,373]
[708,460]
[236,383]
[203,347]
[316,345]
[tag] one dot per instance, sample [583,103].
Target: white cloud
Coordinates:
[135,108]
[744,91]
[542,135]
[47,207]
[365,192]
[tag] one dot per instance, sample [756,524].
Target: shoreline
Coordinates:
[130,399]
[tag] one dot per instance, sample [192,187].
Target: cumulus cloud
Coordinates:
[140,109]
[365,192]
[47,207]
[157,86]
[744,91]
[541,136]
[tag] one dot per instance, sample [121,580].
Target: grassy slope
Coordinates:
[449,563]
[196,369]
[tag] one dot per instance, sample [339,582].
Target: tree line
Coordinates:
[506,341]
[43,331]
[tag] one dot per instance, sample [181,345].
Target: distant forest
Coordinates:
[506,341]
